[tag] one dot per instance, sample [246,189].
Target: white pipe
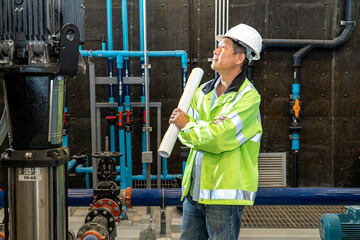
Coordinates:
[220,16]
[224,16]
[216,22]
[227,15]
[169,139]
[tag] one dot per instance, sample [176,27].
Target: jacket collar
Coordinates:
[233,87]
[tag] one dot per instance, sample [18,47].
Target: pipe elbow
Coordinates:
[184,57]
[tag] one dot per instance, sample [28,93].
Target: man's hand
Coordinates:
[179,118]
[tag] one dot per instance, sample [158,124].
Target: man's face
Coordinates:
[224,57]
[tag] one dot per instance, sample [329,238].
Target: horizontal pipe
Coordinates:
[126,54]
[265,196]
[71,164]
[344,36]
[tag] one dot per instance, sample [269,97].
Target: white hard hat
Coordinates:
[246,36]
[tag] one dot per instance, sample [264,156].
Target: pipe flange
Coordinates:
[92,228]
[2,236]
[103,216]
[106,154]
[111,205]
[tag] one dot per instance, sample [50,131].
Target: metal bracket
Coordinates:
[147,157]
[147,129]
[148,66]
[69,50]
[343,22]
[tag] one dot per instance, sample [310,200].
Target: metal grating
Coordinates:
[164,184]
[272,169]
[286,216]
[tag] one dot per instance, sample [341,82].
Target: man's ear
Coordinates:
[240,58]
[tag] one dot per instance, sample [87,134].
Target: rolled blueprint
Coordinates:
[169,139]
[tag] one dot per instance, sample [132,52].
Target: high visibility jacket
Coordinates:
[228,149]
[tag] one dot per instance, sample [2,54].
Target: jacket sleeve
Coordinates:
[240,125]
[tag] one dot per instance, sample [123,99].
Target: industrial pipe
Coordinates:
[178,53]
[265,196]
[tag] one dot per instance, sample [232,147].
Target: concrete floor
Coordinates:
[139,220]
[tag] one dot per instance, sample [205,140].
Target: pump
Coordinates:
[39,42]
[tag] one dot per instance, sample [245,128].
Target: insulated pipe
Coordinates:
[264,196]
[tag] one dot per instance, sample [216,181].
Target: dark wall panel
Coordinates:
[329,140]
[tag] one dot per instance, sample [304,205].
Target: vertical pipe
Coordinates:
[223,17]
[109,24]
[6,203]
[147,104]
[127,94]
[87,175]
[93,118]
[110,68]
[164,167]
[98,130]
[220,17]
[158,145]
[121,128]
[216,22]
[227,16]
[141,26]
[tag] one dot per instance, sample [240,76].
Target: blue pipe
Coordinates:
[81,169]
[127,93]
[265,196]
[184,78]
[65,137]
[128,131]
[71,164]
[123,54]
[125,24]
[109,24]
[295,142]
[87,175]
[164,170]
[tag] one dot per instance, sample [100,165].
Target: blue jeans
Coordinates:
[215,222]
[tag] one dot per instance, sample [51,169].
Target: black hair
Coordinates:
[240,49]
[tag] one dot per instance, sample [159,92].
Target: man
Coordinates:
[223,130]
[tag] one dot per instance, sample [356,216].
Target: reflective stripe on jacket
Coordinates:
[230,148]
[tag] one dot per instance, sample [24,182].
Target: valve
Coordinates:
[128,197]
[111,117]
[92,235]
[129,118]
[295,107]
